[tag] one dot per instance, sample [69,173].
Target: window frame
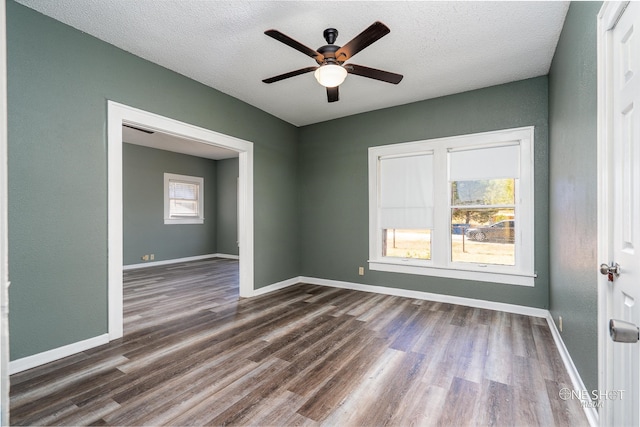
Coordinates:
[176,219]
[440,264]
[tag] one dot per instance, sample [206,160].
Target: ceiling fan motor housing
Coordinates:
[329,54]
[330,35]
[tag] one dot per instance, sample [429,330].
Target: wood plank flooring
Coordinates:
[195,354]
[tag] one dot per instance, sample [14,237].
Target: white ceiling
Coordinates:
[163,141]
[441,47]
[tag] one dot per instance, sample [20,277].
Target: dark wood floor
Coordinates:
[194,354]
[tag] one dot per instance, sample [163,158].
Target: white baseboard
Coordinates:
[469,302]
[177,261]
[48,356]
[276,286]
[226,256]
[576,380]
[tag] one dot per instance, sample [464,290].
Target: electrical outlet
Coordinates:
[145,257]
[152,257]
[560,323]
[361,271]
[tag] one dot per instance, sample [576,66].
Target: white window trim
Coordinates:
[168,219]
[522,273]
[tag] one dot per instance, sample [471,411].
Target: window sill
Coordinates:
[184,221]
[409,267]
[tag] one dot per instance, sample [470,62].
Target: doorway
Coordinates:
[119,114]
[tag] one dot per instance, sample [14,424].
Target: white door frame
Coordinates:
[119,114]
[607,19]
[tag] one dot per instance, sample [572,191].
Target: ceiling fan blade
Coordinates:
[332,94]
[373,73]
[295,44]
[289,74]
[375,32]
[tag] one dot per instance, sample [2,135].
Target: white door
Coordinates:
[621,394]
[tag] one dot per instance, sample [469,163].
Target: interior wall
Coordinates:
[59,81]
[334,187]
[573,188]
[4,252]
[227,206]
[144,230]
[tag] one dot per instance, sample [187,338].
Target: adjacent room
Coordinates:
[317,213]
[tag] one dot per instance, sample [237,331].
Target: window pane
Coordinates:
[183,208]
[483,236]
[406,192]
[484,192]
[415,244]
[485,163]
[182,190]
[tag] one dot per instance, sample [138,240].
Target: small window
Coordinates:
[458,207]
[183,199]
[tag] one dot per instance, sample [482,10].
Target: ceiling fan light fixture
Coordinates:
[330,75]
[331,59]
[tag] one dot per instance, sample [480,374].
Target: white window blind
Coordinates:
[484,163]
[406,192]
[183,190]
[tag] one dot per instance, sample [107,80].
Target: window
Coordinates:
[183,199]
[458,207]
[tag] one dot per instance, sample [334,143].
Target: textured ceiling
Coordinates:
[441,47]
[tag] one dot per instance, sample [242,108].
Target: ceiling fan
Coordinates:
[332,70]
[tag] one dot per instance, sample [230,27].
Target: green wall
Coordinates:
[59,81]
[143,195]
[334,188]
[573,188]
[227,207]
